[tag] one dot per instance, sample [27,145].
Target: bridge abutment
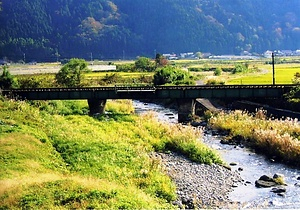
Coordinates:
[96,106]
[186,109]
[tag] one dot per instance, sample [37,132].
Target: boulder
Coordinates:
[265,184]
[266,181]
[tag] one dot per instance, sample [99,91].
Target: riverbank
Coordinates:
[199,185]
[55,156]
[248,164]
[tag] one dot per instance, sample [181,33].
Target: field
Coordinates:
[284,73]
[260,72]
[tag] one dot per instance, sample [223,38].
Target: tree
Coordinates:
[144,64]
[7,80]
[70,75]
[171,75]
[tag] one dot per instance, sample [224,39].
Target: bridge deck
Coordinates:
[151,92]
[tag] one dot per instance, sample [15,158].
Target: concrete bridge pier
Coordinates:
[96,106]
[186,109]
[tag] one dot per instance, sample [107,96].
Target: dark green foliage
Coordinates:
[70,75]
[171,75]
[6,79]
[51,29]
[195,69]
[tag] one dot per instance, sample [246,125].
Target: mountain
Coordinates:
[104,29]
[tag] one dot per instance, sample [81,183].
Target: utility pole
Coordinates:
[91,58]
[273,65]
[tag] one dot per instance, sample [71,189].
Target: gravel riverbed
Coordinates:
[199,185]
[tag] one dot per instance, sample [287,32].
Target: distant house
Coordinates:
[170,56]
[268,54]
[187,55]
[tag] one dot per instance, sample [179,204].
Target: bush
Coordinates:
[172,75]
[218,71]
[214,82]
[240,68]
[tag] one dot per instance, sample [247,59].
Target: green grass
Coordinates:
[284,73]
[53,158]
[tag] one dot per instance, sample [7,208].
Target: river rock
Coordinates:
[265,181]
[297,184]
[278,190]
[262,183]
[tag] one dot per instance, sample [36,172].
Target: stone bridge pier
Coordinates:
[96,106]
[186,110]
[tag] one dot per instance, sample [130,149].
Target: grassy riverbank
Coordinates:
[54,156]
[276,138]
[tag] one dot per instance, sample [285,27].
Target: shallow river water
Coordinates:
[251,166]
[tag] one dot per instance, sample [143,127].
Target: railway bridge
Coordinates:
[184,95]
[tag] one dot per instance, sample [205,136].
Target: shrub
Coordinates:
[214,82]
[172,75]
[218,71]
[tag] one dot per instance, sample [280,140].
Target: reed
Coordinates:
[277,138]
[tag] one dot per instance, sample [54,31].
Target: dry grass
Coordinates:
[279,138]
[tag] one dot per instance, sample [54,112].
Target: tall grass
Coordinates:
[53,158]
[274,137]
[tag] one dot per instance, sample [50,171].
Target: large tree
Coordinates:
[70,75]
[144,64]
[172,75]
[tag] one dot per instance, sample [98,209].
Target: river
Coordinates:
[249,164]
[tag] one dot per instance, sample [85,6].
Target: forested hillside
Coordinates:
[104,29]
